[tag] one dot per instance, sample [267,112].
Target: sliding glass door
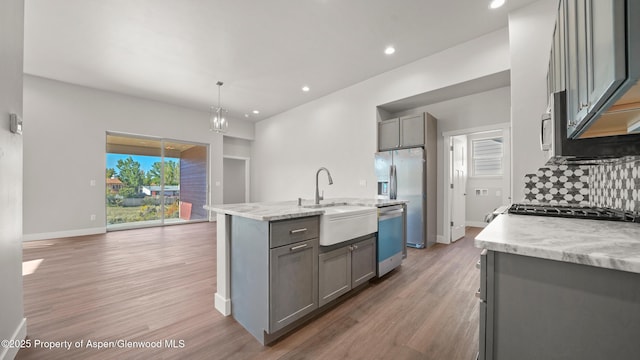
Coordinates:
[153,182]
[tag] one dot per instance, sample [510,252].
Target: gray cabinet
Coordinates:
[334,272]
[412,131]
[293,282]
[547,309]
[595,55]
[389,134]
[363,261]
[274,273]
[344,268]
[402,132]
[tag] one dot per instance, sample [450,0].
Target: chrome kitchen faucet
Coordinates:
[318,197]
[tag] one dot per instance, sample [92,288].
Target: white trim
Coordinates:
[479,224]
[222,298]
[247,174]
[223,305]
[9,353]
[440,239]
[446,214]
[64,234]
[478,129]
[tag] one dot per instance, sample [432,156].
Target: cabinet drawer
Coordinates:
[289,231]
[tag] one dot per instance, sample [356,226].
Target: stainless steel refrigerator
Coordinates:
[404,175]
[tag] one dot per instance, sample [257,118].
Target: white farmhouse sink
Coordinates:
[345,222]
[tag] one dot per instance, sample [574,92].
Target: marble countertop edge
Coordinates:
[273,211]
[605,244]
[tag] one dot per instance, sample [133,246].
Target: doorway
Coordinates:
[458,193]
[236,180]
[477,177]
[154,182]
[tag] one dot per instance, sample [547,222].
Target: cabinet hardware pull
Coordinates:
[298,247]
[478,294]
[298,231]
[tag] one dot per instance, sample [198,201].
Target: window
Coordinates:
[153,181]
[486,157]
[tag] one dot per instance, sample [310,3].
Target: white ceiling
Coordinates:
[264,51]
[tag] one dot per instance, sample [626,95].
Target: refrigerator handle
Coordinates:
[393,183]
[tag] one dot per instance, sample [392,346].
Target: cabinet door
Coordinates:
[389,134]
[293,283]
[577,89]
[606,49]
[412,131]
[335,274]
[559,50]
[363,261]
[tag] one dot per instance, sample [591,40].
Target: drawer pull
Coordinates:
[298,247]
[478,294]
[298,231]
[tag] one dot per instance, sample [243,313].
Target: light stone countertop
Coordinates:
[281,210]
[606,244]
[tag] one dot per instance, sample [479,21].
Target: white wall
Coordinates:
[478,110]
[236,147]
[338,131]
[12,321]
[530,32]
[64,148]
[477,206]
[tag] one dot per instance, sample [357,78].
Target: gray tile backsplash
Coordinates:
[563,184]
[615,186]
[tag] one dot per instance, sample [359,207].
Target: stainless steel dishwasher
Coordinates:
[391,238]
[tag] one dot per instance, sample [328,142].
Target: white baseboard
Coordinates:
[64,234]
[223,305]
[9,353]
[479,224]
[441,240]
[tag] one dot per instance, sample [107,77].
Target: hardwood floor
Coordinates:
[158,284]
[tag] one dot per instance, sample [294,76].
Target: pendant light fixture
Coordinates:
[217,121]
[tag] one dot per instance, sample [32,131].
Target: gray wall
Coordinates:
[234,181]
[11,46]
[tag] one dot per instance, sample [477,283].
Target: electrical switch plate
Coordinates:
[15,124]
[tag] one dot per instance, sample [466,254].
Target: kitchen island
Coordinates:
[558,288]
[270,264]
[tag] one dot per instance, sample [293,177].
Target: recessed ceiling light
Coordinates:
[389,50]
[256,112]
[496,4]
[305,88]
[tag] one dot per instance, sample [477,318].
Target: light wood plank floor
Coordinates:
[159,283]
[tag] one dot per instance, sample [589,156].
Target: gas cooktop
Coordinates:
[579,212]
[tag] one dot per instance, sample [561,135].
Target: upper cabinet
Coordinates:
[588,57]
[402,132]
[389,134]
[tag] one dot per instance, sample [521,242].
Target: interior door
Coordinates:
[459,188]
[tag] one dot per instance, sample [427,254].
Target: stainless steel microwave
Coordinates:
[562,149]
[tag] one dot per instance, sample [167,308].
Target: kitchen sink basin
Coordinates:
[320,206]
[345,222]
